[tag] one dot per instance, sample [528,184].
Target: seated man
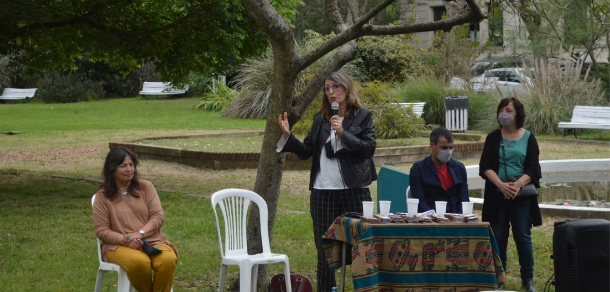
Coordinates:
[438,177]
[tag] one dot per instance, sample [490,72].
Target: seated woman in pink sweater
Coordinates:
[127,214]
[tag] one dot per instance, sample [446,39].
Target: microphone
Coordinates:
[335,108]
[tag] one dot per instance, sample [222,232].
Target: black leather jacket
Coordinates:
[356,156]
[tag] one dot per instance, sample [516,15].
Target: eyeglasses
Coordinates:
[335,86]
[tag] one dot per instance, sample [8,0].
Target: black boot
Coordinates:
[529,286]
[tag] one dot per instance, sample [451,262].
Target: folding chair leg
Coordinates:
[245,278]
[287,273]
[223,274]
[254,281]
[98,280]
[124,284]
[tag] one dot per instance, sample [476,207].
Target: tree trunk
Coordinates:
[271,163]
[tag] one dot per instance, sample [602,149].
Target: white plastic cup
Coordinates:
[412,205]
[467,207]
[367,208]
[441,207]
[384,208]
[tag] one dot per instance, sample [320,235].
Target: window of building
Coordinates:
[438,13]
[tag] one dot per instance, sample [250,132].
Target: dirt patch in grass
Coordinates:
[54,156]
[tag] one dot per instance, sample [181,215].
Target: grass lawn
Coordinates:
[46,229]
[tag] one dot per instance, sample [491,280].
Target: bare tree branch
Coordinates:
[445,24]
[369,15]
[343,55]
[474,15]
[334,16]
[276,28]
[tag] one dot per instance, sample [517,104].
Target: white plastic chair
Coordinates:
[234,204]
[124,284]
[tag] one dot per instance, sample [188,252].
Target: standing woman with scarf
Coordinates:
[512,151]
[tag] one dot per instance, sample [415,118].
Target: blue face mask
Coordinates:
[506,119]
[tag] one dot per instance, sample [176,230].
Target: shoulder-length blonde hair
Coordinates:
[352,99]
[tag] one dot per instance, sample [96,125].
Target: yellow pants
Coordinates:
[139,267]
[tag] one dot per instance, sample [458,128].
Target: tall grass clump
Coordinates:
[217,97]
[552,96]
[255,79]
[428,90]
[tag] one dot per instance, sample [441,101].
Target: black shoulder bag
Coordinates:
[526,190]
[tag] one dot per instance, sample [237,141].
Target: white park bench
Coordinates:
[587,117]
[418,107]
[160,88]
[17,93]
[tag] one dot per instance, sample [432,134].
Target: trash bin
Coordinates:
[456,113]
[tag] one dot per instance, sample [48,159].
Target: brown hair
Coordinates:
[115,158]
[351,99]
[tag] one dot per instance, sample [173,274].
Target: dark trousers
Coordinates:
[516,213]
[325,206]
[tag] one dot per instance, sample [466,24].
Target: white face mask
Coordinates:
[444,155]
[506,119]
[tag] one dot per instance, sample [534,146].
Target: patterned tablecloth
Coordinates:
[417,257]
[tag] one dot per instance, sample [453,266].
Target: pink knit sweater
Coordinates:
[128,214]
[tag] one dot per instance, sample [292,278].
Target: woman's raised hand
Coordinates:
[284,125]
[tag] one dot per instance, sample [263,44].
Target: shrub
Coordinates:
[115,82]
[604,77]
[391,120]
[216,100]
[388,59]
[57,86]
[198,84]
[552,96]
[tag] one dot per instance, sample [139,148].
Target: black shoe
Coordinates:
[500,287]
[529,286]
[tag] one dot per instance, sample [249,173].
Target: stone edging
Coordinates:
[233,160]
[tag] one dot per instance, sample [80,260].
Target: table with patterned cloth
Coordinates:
[414,257]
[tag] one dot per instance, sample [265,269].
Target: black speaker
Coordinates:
[581,251]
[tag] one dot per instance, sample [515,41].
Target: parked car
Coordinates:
[480,66]
[507,80]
